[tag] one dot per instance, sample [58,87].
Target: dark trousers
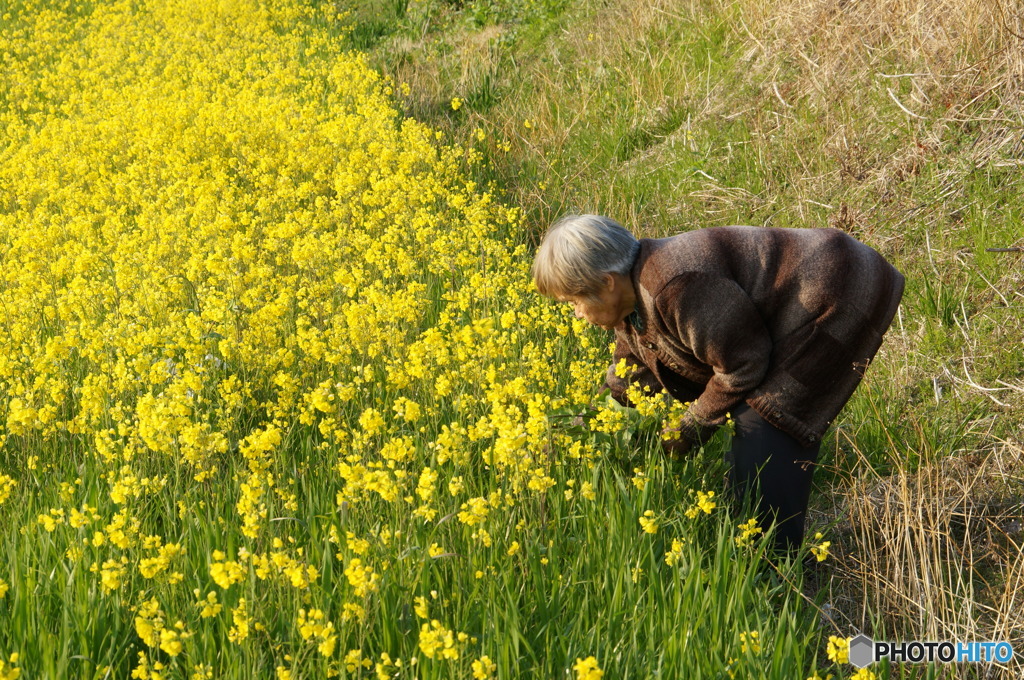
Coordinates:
[772,472]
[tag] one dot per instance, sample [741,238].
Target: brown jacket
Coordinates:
[784,319]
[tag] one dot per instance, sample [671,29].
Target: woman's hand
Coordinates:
[687,435]
[675,443]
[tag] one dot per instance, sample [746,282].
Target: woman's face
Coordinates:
[608,307]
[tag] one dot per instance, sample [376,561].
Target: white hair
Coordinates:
[578,251]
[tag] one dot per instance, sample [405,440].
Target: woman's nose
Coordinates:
[577,312]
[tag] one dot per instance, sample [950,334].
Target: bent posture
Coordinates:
[775,326]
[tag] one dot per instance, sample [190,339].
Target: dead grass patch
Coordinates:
[935,554]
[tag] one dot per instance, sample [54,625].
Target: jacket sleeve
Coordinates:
[636,373]
[715,319]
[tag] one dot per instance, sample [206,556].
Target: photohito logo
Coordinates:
[865,651]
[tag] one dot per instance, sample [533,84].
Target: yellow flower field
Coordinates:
[278,400]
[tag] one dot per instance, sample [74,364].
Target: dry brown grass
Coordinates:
[942,62]
[936,554]
[959,47]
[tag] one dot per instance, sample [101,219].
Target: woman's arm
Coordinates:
[715,319]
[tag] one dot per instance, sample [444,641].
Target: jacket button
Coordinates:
[649,345]
[778,414]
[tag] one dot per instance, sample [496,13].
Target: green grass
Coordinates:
[597,585]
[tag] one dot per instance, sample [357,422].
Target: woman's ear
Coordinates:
[609,282]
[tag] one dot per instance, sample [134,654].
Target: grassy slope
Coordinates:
[899,123]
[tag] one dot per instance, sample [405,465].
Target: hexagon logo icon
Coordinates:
[862,651]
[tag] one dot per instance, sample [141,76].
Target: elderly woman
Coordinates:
[775,326]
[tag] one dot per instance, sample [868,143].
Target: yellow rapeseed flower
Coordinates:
[421,607]
[749,530]
[7,484]
[750,641]
[587,669]
[704,504]
[483,668]
[438,642]
[820,549]
[9,669]
[838,649]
